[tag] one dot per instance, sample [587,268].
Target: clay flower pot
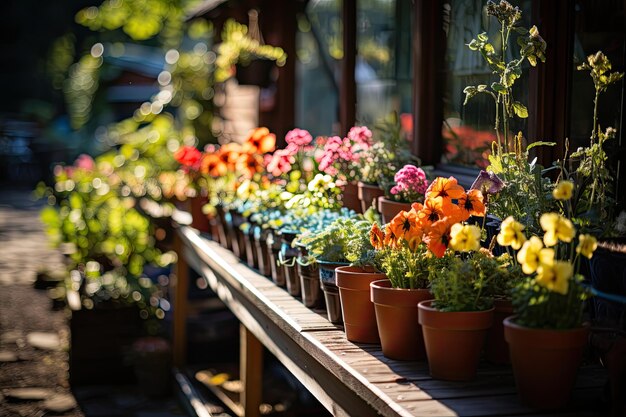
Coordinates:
[328,283]
[389,208]
[368,194]
[396,318]
[309,273]
[273,251]
[350,197]
[359,316]
[287,257]
[199,220]
[453,340]
[545,362]
[496,348]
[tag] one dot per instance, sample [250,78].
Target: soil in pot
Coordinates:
[359,316]
[389,208]
[368,194]
[453,340]
[328,283]
[396,318]
[545,362]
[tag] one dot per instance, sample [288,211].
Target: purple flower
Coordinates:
[410,182]
[487,183]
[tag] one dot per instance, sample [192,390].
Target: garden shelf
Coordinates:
[348,379]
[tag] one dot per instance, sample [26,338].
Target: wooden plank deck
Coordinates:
[356,379]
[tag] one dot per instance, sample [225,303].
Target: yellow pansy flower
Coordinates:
[587,244]
[563,190]
[555,276]
[528,256]
[556,227]
[464,238]
[511,233]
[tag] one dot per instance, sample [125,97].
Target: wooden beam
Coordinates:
[428,52]
[180,305]
[347,88]
[251,371]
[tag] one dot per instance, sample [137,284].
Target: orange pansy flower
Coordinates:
[445,188]
[390,239]
[249,164]
[471,204]
[260,141]
[212,165]
[414,238]
[377,237]
[438,237]
[403,223]
[431,211]
[416,207]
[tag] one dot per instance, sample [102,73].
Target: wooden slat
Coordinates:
[180,304]
[251,365]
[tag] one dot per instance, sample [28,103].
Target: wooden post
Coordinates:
[180,305]
[347,89]
[251,372]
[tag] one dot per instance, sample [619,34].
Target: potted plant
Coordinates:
[329,248]
[547,335]
[245,50]
[380,161]
[409,186]
[339,158]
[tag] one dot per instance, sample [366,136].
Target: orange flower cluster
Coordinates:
[246,158]
[446,203]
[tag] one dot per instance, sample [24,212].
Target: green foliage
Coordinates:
[521,178]
[466,283]
[532,48]
[538,307]
[333,243]
[406,268]
[389,152]
[238,47]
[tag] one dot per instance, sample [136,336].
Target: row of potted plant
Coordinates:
[424,279]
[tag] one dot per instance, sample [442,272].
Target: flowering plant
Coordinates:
[388,152]
[341,156]
[293,165]
[410,184]
[551,296]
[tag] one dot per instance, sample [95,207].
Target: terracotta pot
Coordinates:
[496,348]
[199,220]
[453,340]
[359,317]
[312,295]
[287,258]
[389,208]
[328,283]
[223,233]
[350,197]
[251,253]
[396,318]
[545,362]
[260,245]
[368,194]
[273,245]
[237,236]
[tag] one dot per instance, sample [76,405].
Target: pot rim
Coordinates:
[355,278]
[577,337]
[454,320]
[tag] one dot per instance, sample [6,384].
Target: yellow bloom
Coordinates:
[555,276]
[529,257]
[587,244]
[556,228]
[563,190]
[511,233]
[464,238]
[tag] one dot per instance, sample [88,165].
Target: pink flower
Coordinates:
[279,163]
[298,137]
[361,135]
[410,182]
[85,162]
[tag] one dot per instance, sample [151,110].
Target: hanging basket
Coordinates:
[258,72]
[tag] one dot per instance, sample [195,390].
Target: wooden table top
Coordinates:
[356,379]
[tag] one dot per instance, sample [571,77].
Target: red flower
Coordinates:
[189,157]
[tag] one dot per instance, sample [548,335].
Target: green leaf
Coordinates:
[539,143]
[520,110]
[499,88]
[470,91]
[520,30]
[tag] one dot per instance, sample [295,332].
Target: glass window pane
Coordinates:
[469,130]
[319,50]
[383,63]
[599,26]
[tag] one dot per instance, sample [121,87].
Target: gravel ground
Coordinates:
[34,338]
